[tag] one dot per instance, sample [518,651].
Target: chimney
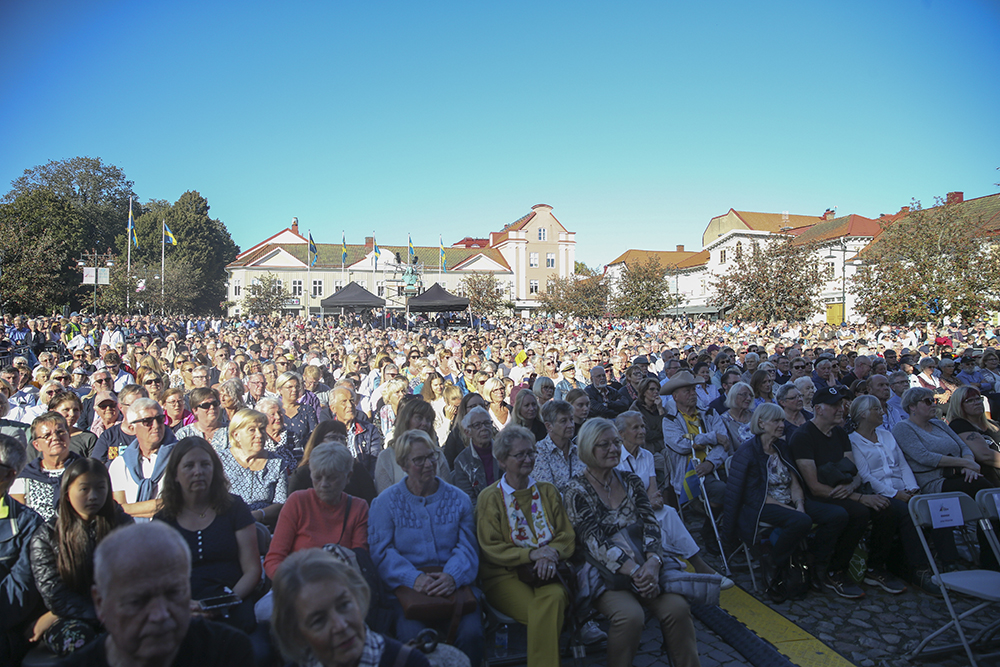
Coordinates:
[369,241]
[829,214]
[295,225]
[955,198]
[903,210]
[680,248]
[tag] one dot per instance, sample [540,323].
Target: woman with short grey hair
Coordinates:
[808,389]
[322,514]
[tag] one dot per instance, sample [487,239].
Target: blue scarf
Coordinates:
[133,465]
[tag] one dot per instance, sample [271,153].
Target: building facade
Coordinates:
[522,256]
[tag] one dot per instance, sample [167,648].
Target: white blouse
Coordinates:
[882,464]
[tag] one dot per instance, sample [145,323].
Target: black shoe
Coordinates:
[708,537]
[840,584]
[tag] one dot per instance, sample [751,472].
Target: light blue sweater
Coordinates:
[407,532]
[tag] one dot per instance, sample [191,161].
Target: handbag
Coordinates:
[429,608]
[437,654]
[835,474]
[696,588]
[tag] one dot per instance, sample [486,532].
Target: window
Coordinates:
[281,284]
[338,285]
[543,234]
[236,288]
[722,257]
[296,288]
[549,286]
[830,268]
[317,288]
[381,288]
[550,260]
[533,260]
[399,290]
[739,249]
[533,287]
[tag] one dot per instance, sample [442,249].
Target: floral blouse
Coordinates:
[596,524]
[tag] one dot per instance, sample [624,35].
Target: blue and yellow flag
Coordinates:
[168,236]
[444,262]
[691,488]
[378,253]
[131,226]
[412,253]
[312,250]
[343,248]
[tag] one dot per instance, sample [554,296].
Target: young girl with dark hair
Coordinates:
[62,555]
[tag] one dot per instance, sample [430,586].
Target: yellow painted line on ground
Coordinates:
[792,641]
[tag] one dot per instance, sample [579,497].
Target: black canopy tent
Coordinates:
[436,299]
[352,297]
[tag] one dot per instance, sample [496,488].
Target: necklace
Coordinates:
[201,515]
[606,487]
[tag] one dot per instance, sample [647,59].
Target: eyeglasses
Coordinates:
[617,442]
[973,398]
[479,425]
[927,401]
[149,421]
[799,367]
[153,381]
[423,460]
[207,405]
[54,435]
[102,380]
[528,453]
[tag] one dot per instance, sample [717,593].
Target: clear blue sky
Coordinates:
[636,121]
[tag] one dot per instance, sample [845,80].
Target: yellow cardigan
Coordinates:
[498,555]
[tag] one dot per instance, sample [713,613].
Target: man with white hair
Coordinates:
[136,473]
[142,594]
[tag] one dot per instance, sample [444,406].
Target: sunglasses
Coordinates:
[102,380]
[149,421]
[207,405]
[153,381]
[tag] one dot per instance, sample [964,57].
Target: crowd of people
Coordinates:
[328,492]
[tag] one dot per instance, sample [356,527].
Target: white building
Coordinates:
[522,256]
[729,235]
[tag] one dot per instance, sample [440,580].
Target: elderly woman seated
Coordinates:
[323,514]
[523,534]
[967,418]
[421,533]
[476,468]
[940,461]
[320,605]
[602,503]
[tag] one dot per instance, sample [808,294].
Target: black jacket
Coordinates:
[746,490]
[19,598]
[59,598]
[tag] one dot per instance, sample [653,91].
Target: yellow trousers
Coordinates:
[541,609]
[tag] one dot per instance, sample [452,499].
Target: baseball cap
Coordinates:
[829,396]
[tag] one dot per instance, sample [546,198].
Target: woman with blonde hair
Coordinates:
[152,381]
[495,394]
[967,417]
[392,392]
[415,414]
[256,474]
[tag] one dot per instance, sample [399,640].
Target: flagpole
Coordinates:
[163,264]
[309,267]
[128,269]
[343,247]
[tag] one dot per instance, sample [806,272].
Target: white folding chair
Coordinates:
[936,510]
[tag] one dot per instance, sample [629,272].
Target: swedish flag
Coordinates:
[313,250]
[343,248]
[444,262]
[412,253]
[168,236]
[131,226]
[691,488]
[378,253]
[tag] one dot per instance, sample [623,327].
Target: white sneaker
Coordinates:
[591,633]
[727,583]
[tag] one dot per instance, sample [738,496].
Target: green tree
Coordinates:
[98,194]
[581,269]
[38,271]
[776,280]
[485,293]
[933,264]
[179,291]
[264,297]
[575,296]
[203,244]
[642,291]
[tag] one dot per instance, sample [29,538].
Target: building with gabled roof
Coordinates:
[522,256]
